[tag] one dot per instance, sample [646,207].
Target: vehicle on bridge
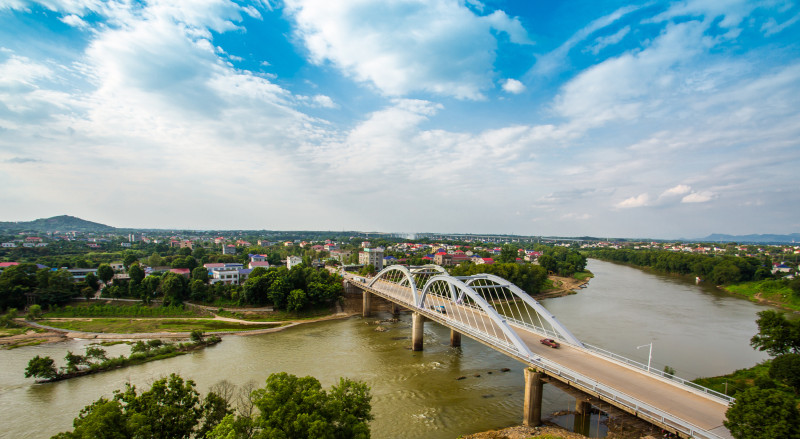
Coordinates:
[549,342]
[439,308]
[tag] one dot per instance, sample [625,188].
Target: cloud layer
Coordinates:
[655,120]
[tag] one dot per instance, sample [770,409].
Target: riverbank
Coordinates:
[564,286]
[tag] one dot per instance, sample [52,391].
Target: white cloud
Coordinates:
[513,86]
[602,42]
[318,101]
[698,197]
[637,201]
[405,46]
[771,26]
[677,190]
[75,21]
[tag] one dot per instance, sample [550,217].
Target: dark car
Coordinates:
[549,342]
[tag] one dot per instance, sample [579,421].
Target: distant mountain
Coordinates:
[753,239]
[62,223]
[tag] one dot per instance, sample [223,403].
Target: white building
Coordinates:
[228,275]
[373,256]
[291,261]
[9,245]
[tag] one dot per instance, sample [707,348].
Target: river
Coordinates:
[697,330]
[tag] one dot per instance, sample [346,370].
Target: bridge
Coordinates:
[497,313]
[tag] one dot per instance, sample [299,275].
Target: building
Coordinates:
[134,237]
[254,264]
[291,261]
[9,245]
[126,244]
[371,256]
[227,275]
[257,258]
[229,249]
[442,258]
[79,274]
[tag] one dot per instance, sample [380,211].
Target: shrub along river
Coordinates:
[696,329]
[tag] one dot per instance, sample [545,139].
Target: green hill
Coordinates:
[62,223]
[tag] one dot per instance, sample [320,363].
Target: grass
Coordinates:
[583,275]
[22,343]
[8,332]
[129,326]
[774,291]
[115,310]
[275,316]
[739,380]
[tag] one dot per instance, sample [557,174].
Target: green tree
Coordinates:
[34,312]
[73,361]
[293,407]
[129,259]
[763,414]
[508,254]
[549,263]
[105,273]
[15,282]
[171,408]
[200,273]
[173,288]
[95,353]
[41,367]
[296,300]
[92,281]
[786,369]
[776,334]
[136,273]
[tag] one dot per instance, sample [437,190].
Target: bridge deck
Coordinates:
[679,401]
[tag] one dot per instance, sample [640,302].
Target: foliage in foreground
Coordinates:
[288,407]
[293,407]
[768,408]
[763,414]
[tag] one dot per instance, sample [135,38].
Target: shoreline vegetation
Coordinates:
[95,360]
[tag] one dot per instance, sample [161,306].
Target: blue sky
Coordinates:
[651,119]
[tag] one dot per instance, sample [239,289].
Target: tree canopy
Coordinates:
[776,334]
[291,407]
[763,414]
[171,408]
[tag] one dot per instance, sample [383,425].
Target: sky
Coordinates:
[555,118]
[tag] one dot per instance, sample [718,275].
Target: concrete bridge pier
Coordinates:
[417,326]
[395,309]
[455,338]
[532,407]
[583,417]
[366,302]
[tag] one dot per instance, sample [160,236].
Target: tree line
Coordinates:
[716,268]
[292,290]
[287,407]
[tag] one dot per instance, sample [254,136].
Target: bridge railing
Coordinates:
[620,398]
[638,365]
[619,358]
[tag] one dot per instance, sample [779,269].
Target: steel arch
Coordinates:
[482,303]
[525,297]
[402,269]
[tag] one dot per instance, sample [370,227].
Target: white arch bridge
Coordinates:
[497,313]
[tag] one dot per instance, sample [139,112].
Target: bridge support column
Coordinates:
[583,417]
[366,299]
[417,323]
[532,407]
[395,309]
[455,338]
